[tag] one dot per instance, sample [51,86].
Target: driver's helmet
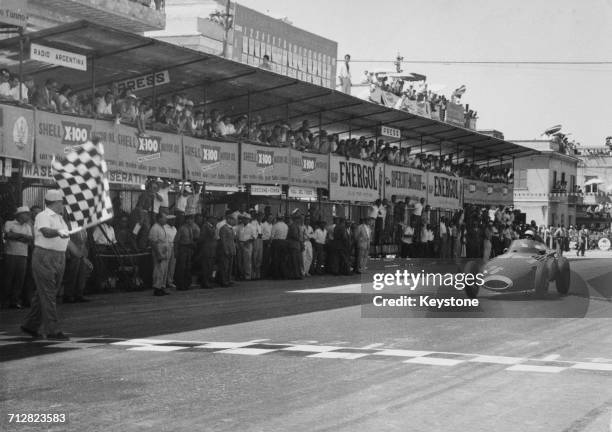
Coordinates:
[530,235]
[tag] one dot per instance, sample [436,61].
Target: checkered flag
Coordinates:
[81,176]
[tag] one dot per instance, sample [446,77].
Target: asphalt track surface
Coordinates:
[301,356]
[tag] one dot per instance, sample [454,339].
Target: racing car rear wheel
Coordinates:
[472,268]
[563,276]
[541,279]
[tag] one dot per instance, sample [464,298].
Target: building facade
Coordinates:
[251,37]
[545,185]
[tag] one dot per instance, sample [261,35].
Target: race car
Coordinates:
[526,265]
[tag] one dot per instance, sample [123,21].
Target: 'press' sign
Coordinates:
[58,57]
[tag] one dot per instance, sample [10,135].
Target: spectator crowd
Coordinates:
[181,115]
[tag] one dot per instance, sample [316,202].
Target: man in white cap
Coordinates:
[18,234]
[51,239]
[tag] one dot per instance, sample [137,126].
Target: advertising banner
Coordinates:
[308,169]
[155,154]
[16,132]
[455,114]
[405,182]
[56,135]
[211,161]
[264,165]
[354,179]
[475,192]
[500,194]
[444,191]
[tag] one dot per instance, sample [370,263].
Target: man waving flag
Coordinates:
[81,176]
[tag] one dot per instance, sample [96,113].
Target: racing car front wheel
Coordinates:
[562,281]
[472,268]
[541,279]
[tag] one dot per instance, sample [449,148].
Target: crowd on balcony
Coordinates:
[408,91]
[179,114]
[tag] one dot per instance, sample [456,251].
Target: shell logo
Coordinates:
[21,132]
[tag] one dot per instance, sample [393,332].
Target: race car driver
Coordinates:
[531,235]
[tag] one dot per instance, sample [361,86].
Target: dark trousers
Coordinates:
[345,260]
[224,269]
[182,272]
[13,278]
[75,277]
[208,264]
[294,260]
[265,259]
[278,259]
[333,259]
[318,261]
[407,250]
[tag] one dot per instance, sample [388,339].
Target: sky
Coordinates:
[519,100]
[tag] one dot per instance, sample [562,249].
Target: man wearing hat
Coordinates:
[18,234]
[51,239]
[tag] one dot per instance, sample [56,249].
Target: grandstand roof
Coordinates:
[114,55]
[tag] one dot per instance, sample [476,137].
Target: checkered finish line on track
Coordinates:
[259,348]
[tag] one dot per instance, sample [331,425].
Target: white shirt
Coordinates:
[418,209]
[163,193]
[246,232]
[5,90]
[14,247]
[49,219]
[443,230]
[345,72]
[492,214]
[181,203]
[320,235]
[279,231]
[256,227]
[266,231]
[15,92]
[308,232]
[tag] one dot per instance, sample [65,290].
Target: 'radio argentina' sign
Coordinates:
[444,191]
[58,57]
[354,179]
